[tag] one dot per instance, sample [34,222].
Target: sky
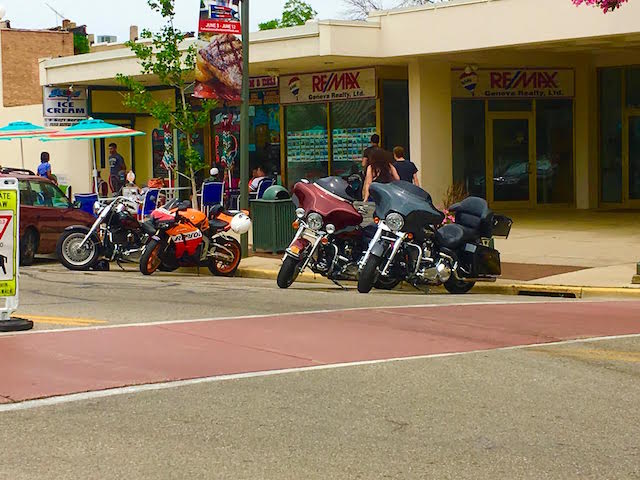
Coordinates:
[113,17]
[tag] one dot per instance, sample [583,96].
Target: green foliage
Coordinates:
[80,44]
[159,55]
[296,12]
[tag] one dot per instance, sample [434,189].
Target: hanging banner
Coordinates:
[327,87]
[505,83]
[219,63]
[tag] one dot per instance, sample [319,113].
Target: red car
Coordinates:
[44,214]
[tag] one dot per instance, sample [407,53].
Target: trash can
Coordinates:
[272,217]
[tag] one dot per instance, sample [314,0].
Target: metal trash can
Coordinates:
[272,217]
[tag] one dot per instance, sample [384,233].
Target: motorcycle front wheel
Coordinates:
[75,257]
[150,261]
[289,271]
[367,277]
[227,266]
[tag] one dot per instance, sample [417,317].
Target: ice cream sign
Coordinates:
[329,86]
[64,106]
[513,83]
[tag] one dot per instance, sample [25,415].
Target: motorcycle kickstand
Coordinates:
[421,288]
[338,284]
[119,264]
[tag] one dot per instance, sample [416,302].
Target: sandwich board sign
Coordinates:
[10,256]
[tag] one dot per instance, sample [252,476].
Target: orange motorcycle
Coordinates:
[180,236]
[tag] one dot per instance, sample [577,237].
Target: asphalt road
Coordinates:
[562,411]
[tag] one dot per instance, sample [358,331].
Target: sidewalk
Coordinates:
[549,252]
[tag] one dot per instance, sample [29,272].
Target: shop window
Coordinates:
[352,125]
[554,147]
[469,155]
[611,135]
[396,114]
[307,142]
[633,87]
[264,137]
[510,105]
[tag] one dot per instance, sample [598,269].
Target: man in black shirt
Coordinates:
[406,168]
[366,156]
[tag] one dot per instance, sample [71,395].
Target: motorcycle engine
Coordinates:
[438,273]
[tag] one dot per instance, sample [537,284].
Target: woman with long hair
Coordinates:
[380,170]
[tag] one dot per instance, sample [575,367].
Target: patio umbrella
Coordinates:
[22,130]
[92,129]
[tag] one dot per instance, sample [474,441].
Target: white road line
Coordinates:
[114,392]
[274,315]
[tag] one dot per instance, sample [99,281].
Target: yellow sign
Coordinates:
[8,242]
[506,83]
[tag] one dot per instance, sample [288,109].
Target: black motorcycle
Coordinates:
[116,235]
[411,243]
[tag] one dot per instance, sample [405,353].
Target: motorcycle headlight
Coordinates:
[331,229]
[315,222]
[395,221]
[300,213]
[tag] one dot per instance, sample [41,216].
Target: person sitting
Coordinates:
[380,169]
[44,169]
[257,177]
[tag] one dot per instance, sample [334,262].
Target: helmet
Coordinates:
[241,223]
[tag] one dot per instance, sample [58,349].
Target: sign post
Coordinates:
[10,256]
[244,121]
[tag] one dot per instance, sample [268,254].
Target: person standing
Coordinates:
[117,169]
[380,170]
[366,156]
[44,169]
[406,169]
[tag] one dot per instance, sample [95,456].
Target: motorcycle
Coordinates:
[411,243]
[180,236]
[329,239]
[114,236]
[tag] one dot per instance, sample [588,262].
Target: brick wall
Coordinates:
[21,50]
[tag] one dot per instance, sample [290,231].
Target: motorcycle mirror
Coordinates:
[214,171]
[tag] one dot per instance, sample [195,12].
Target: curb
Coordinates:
[518,289]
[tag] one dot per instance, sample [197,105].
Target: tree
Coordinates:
[296,12]
[362,8]
[160,55]
[605,5]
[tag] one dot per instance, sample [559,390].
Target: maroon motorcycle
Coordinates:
[329,240]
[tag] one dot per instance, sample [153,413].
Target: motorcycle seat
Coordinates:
[453,236]
[217,224]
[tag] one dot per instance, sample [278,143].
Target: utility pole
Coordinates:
[244,121]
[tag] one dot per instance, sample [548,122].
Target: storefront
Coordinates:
[620,136]
[513,134]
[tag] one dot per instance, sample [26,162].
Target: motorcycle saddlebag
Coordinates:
[501,226]
[484,261]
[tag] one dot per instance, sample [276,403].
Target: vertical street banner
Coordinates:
[219,59]
[8,241]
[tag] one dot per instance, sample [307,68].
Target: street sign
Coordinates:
[10,255]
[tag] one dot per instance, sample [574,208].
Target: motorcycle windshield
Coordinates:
[406,199]
[338,186]
[333,209]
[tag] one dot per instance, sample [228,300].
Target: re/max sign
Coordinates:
[523,79]
[333,82]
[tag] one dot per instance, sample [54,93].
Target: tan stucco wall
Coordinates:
[430,125]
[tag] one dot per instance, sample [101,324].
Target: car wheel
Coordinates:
[28,247]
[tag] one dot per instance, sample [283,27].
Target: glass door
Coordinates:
[633,159]
[511,159]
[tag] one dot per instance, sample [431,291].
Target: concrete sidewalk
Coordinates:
[549,252]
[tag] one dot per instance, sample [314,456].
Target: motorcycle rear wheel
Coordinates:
[368,274]
[387,283]
[227,268]
[72,256]
[150,260]
[458,287]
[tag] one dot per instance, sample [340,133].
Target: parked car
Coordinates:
[45,212]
